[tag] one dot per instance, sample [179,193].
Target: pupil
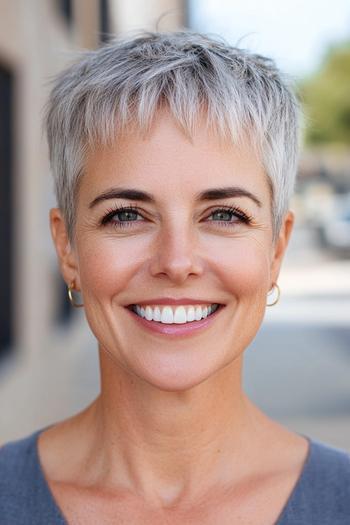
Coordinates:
[127,215]
[222,214]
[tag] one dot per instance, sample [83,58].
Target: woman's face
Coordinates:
[183,241]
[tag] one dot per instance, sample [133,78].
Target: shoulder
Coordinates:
[322,494]
[16,462]
[329,469]
[22,498]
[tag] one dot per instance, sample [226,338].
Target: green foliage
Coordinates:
[326,99]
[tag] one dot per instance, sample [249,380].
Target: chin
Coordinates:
[176,373]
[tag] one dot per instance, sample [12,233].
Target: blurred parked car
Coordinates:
[334,233]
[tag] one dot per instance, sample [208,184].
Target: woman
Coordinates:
[174,157]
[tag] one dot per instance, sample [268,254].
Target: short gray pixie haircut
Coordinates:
[122,85]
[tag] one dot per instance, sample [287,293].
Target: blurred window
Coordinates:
[66,9]
[6,219]
[104,21]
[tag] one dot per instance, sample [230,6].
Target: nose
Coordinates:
[176,255]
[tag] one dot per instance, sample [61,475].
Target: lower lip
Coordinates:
[176,329]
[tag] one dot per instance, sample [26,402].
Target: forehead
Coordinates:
[166,160]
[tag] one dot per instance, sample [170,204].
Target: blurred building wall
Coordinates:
[138,14]
[37,39]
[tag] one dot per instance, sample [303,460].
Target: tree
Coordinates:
[326,99]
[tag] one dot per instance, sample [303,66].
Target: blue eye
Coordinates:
[223,215]
[125,216]
[228,213]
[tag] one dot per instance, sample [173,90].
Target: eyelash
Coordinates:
[234,210]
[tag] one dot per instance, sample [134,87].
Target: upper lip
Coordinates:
[170,300]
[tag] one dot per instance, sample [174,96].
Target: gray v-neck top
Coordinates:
[321,495]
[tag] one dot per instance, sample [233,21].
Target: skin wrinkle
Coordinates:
[172,424]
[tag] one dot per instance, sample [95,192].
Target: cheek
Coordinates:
[106,266]
[245,275]
[244,268]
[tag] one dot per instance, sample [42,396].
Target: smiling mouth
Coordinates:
[167,314]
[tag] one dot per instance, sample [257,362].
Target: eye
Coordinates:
[121,216]
[127,215]
[225,216]
[124,216]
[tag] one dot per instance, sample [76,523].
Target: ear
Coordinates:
[65,252]
[281,244]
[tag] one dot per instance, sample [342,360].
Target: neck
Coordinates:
[167,444]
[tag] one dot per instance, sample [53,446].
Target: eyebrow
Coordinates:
[207,195]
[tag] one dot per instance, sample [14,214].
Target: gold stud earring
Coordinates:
[70,296]
[278,294]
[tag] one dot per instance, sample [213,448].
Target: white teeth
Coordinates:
[156,314]
[190,314]
[149,313]
[198,313]
[178,315]
[167,315]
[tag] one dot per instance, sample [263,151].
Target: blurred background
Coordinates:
[298,367]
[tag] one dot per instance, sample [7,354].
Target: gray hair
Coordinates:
[124,83]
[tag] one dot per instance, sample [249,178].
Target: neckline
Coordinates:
[43,481]
[300,481]
[293,494]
